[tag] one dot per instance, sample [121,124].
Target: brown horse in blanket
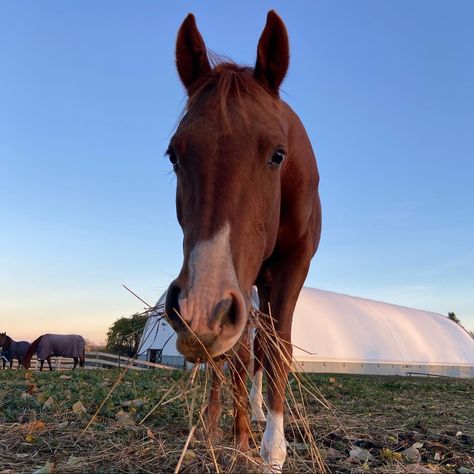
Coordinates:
[247,201]
[57,345]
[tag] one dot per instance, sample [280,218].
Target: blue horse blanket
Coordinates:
[17,350]
[61,345]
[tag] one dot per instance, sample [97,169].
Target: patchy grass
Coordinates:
[374,418]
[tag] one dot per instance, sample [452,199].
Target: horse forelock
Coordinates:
[229,84]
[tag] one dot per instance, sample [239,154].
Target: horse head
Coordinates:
[228,153]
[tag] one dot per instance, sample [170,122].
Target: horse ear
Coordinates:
[273,54]
[191,55]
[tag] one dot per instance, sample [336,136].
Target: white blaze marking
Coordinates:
[211,273]
[273,448]
[256,397]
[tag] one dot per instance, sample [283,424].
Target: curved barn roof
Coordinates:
[333,332]
[337,327]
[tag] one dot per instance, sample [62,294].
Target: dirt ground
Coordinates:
[334,423]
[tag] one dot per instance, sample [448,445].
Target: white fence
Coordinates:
[94,360]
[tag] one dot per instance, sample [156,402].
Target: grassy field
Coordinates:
[353,423]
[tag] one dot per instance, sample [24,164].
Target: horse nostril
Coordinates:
[224,313]
[172,305]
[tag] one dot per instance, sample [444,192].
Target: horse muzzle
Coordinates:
[207,326]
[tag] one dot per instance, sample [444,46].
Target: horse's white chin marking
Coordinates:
[273,448]
[256,397]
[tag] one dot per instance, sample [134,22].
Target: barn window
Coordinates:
[154,355]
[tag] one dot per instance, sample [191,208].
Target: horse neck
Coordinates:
[32,349]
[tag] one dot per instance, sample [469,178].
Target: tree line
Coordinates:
[124,336]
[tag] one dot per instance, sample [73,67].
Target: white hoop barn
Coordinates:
[336,333]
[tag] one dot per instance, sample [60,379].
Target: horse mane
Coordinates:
[31,350]
[230,84]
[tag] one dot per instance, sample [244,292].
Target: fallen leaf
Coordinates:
[189,456]
[61,426]
[28,375]
[78,408]
[411,454]
[48,468]
[437,456]
[124,419]
[417,445]
[391,455]
[65,377]
[150,434]
[30,438]
[32,388]
[134,403]
[35,426]
[360,454]
[48,404]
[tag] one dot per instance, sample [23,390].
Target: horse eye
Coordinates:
[277,157]
[172,156]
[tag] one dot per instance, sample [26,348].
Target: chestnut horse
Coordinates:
[248,204]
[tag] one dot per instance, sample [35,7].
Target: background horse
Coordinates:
[248,204]
[11,349]
[57,345]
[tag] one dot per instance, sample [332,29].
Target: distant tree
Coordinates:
[124,335]
[453,317]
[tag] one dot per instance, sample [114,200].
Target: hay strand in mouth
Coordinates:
[193,391]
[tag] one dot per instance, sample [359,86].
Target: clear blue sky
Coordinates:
[89,97]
